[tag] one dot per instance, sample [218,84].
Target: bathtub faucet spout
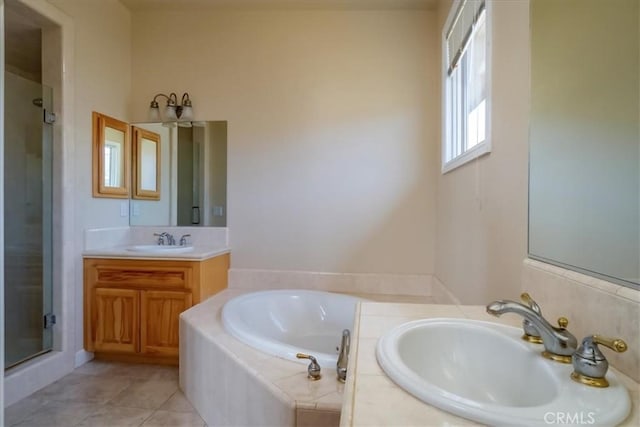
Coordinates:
[343,357]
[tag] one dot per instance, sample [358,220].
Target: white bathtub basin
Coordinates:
[484,372]
[160,249]
[285,322]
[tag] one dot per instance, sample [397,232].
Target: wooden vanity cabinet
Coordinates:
[132,306]
[117,320]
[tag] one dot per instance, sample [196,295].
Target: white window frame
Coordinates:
[113,164]
[447,141]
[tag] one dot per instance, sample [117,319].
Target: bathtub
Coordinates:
[285,322]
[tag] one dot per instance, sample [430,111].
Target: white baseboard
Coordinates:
[32,375]
[82,357]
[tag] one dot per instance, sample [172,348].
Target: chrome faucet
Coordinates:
[343,358]
[559,344]
[313,370]
[164,235]
[589,364]
[183,239]
[531,334]
[160,237]
[170,239]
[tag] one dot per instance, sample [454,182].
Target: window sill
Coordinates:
[467,156]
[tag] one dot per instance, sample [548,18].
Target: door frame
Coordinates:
[58,36]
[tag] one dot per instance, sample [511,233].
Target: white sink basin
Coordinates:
[484,372]
[160,249]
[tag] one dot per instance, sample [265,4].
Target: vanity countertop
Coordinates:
[372,399]
[198,253]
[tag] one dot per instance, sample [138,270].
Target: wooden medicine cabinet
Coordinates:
[146,164]
[111,150]
[114,143]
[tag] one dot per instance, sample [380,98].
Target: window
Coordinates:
[466,83]
[111,162]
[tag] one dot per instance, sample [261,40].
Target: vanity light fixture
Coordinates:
[173,113]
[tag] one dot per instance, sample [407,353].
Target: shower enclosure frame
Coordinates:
[2,394]
[58,73]
[28,230]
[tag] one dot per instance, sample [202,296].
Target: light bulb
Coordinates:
[154,114]
[170,113]
[187,113]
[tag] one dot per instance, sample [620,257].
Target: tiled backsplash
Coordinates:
[200,236]
[593,306]
[100,238]
[442,295]
[389,284]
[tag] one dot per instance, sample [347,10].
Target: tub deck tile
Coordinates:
[224,363]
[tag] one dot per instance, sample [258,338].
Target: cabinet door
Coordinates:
[117,320]
[160,313]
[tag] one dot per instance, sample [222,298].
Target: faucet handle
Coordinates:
[615,344]
[313,371]
[563,322]
[183,239]
[533,305]
[531,334]
[160,237]
[589,364]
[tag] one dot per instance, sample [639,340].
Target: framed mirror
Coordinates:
[110,157]
[146,164]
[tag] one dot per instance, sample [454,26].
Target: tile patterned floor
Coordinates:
[111,395]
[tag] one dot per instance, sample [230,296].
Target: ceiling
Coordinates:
[279,4]
[22,42]
[23,32]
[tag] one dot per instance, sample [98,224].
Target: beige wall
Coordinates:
[332,118]
[482,206]
[103,84]
[102,69]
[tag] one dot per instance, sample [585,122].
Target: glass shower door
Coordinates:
[28,176]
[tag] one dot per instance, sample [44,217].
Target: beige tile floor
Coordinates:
[110,395]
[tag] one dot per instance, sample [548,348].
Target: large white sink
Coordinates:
[484,372]
[160,249]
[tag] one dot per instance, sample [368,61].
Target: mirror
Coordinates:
[191,175]
[584,183]
[110,157]
[146,164]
